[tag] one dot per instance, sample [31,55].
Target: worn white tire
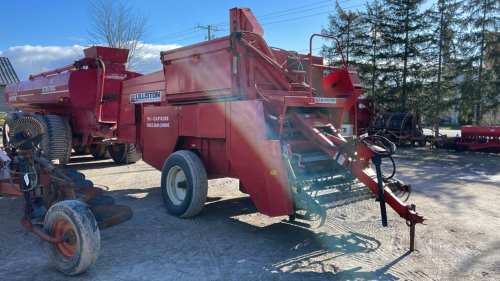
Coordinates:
[184,184]
[73,219]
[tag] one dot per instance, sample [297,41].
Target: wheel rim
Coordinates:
[62,228]
[176,185]
[116,147]
[6,133]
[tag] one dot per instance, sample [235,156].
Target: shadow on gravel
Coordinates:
[449,192]
[230,230]
[485,265]
[83,163]
[379,274]
[302,246]
[276,250]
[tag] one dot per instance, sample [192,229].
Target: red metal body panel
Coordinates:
[110,55]
[127,130]
[204,120]
[253,157]
[201,71]
[160,125]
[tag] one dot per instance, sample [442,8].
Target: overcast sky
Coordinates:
[53,32]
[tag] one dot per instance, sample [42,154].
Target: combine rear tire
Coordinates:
[81,150]
[123,153]
[56,143]
[74,220]
[99,151]
[184,184]
[11,117]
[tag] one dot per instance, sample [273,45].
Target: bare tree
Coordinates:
[118,24]
[40,66]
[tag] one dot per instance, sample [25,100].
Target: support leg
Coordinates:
[412,231]
[412,237]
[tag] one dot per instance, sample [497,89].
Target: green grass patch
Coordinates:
[450,127]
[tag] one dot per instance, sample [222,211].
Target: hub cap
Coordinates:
[62,228]
[176,185]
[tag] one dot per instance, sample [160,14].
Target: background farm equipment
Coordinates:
[479,139]
[400,128]
[60,206]
[235,107]
[77,106]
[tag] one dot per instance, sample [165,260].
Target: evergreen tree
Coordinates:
[371,21]
[482,16]
[347,28]
[442,18]
[401,31]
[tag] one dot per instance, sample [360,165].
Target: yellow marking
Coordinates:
[273,172]
[318,123]
[294,189]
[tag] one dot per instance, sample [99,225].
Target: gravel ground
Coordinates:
[230,240]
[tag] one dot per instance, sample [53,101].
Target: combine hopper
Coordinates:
[235,107]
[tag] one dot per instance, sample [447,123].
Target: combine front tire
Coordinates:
[73,220]
[184,184]
[99,151]
[11,117]
[56,143]
[123,153]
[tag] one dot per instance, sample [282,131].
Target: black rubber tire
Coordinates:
[123,153]
[9,119]
[81,150]
[101,200]
[56,143]
[421,143]
[439,144]
[196,184]
[69,135]
[87,236]
[99,151]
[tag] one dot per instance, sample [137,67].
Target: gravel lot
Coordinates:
[230,240]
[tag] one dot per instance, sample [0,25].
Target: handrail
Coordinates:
[311,62]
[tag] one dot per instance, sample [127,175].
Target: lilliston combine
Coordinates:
[230,107]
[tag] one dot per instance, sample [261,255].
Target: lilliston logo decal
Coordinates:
[325,100]
[145,97]
[116,76]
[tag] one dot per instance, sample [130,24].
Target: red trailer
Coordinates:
[235,107]
[77,105]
